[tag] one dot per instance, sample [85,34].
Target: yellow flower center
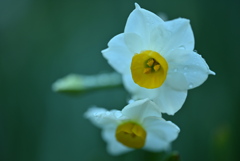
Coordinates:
[149,69]
[131,135]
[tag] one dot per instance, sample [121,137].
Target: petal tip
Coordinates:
[212,72]
[137,6]
[185,20]
[104,50]
[105,53]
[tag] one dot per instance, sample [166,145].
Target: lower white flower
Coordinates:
[138,125]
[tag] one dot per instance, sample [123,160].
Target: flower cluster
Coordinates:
[158,65]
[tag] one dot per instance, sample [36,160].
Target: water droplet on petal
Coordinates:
[190,85]
[182,47]
[130,101]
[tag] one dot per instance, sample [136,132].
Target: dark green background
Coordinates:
[43,40]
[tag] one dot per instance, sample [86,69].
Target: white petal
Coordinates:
[134,43]
[159,37]
[176,80]
[187,70]
[169,100]
[160,133]
[137,91]
[141,109]
[181,35]
[141,22]
[118,54]
[103,118]
[113,146]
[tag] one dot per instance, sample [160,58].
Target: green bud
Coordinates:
[75,84]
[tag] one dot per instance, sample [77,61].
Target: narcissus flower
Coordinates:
[156,59]
[138,125]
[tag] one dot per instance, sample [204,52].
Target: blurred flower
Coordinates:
[156,59]
[138,125]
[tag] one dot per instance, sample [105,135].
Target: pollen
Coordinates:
[149,69]
[131,135]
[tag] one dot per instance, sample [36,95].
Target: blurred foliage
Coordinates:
[44,40]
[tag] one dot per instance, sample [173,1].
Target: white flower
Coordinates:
[138,125]
[156,59]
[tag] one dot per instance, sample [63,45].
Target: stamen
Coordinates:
[156,67]
[150,62]
[147,70]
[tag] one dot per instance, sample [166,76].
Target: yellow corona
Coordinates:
[149,69]
[131,135]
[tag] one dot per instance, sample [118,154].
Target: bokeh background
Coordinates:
[43,40]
